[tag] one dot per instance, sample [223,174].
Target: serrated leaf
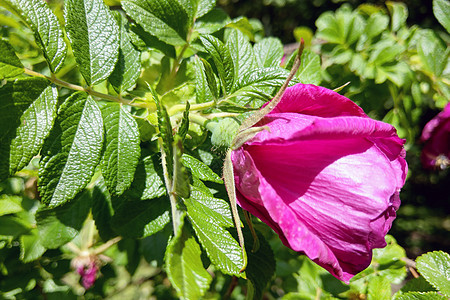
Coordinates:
[143,40]
[10,65]
[47,30]
[71,151]
[419,284]
[211,83]
[441,10]
[167,20]
[10,204]
[184,126]
[222,60]
[199,169]
[30,246]
[310,69]
[399,14]
[433,53]
[137,218]
[180,178]
[184,266]
[420,296]
[213,21]
[435,267]
[58,226]
[241,52]
[379,289]
[122,151]
[208,217]
[202,90]
[27,113]
[102,211]
[128,66]
[204,6]
[268,52]
[94,35]
[257,81]
[261,264]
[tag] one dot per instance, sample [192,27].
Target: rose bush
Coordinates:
[436,136]
[325,177]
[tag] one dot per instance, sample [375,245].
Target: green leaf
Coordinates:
[208,217]
[310,69]
[10,204]
[435,267]
[433,53]
[202,88]
[58,226]
[241,52]
[377,23]
[222,60]
[94,35]
[268,52]
[419,284]
[184,266]
[399,14]
[441,10]
[122,150]
[223,133]
[166,20]
[47,30]
[211,83]
[10,65]
[255,81]
[184,126]
[213,21]
[30,246]
[27,113]
[71,151]
[13,226]
[128,67]
[379,289]
[420,296]
[137,218]
[199,169]
[204,6]
[143,40]
[102,211]
[343,27]
[180,178]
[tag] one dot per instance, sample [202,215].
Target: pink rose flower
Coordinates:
[326,178]
[436,136]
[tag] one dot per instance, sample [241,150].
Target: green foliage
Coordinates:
[111,154]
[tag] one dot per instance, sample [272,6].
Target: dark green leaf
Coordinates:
[122,150]
[210,78]
[222,60]
[27,113]
[71,151]
[184,266]
[180,178]
[268,52]
[137,218]
[102,211]
[420,296]
[128,67]
[208,217]
[435,267]
[142,40]
[47,31]
[13,226]
[441,10]
[148,180]
[10,65]
[30,246]
[167,20]
[184,127]
[199,169]
[58,226]
[94,35]
[419,284]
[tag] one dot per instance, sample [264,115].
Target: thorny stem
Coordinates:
[75,87]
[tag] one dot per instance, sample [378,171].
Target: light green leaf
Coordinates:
[377,23]
[184,266]
[27,113]
[122,150]
[10,204]
[310,69]
[433,53]
[94,35]
[47,30]
[137,218]
[199,169]
[256,80]
[379,289]
[399,14]
[343,27]
[441,10]
[268,52]
[204,6]
[10,65]
[208,217]
[72,150]
[419,284]
[222,60]
[13,226]
[420,296]
[241,52]
[213,21]
[435,267]
[58,226]
[167,20]
[385,51]
[202,89]
[128,67]
[30,246]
